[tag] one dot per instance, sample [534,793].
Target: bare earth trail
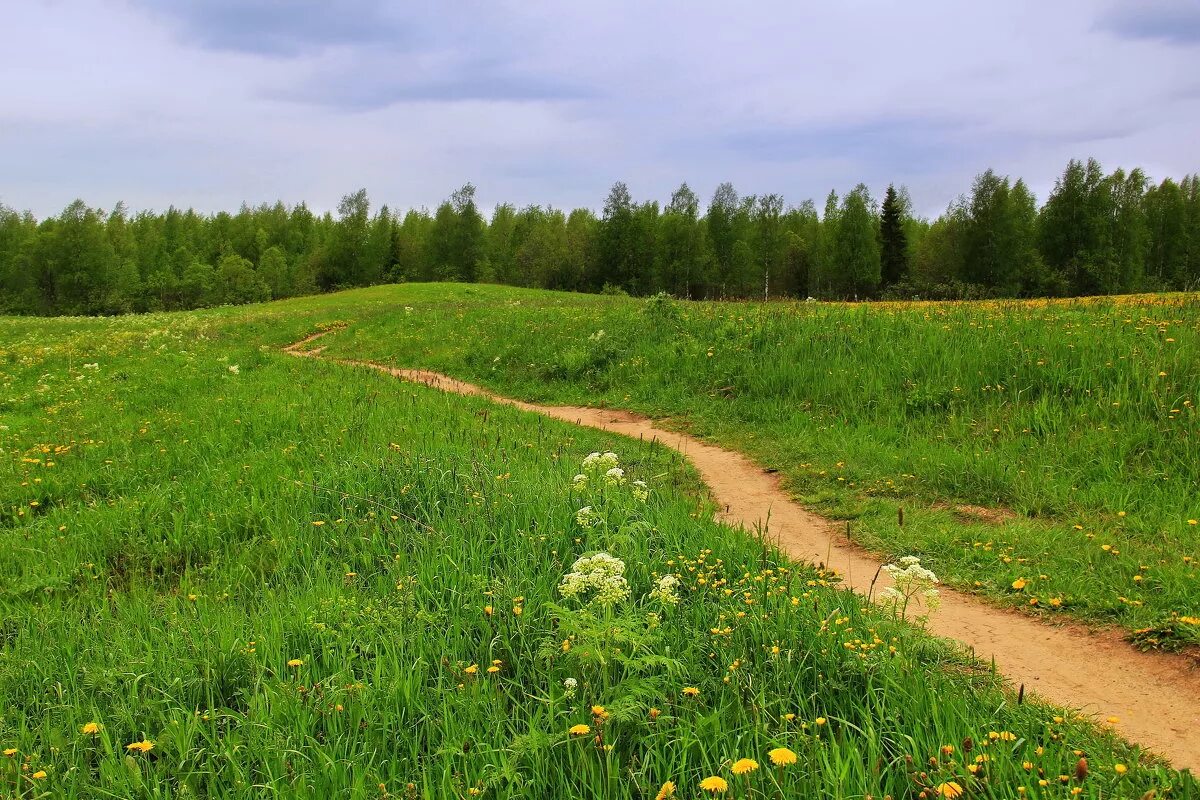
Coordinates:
[1155,696]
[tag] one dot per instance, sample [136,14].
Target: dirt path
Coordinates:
[1155,696]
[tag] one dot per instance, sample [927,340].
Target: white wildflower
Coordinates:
[600,462]
[641,491]
[666,590]
[234,369]
[579,481]
[569,687]
[587,518]
[911,582]
[95,365]
[601,576]
[615,476]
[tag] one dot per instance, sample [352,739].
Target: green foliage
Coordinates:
[1097,234]
[893,241]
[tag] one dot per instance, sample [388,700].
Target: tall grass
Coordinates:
[277,577]
[1079,417]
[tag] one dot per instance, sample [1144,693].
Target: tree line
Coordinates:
[1096,233]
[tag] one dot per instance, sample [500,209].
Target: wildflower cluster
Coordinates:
[601,576]
[596,463]
[910,581]
[666,590]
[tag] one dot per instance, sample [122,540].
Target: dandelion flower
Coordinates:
[667,790]
[949,789]
[10,752]
[782,757]
[37,776]
[1019,584]
[471,670]
[144,746]
[296,662]
[493,669]
[820,721]
[714,784]
[743,766]
[90,729]
[579,730]
[1120,769]
[691,691]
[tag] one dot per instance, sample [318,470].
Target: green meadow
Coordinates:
[1045,445]
[226,572]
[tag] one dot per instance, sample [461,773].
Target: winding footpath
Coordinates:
[1155,697]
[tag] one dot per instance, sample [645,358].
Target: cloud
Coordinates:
[915,141]
[390,81]
[217,102]
[1173,21]
[281,27]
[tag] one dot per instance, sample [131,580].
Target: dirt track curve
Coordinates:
[1154,696]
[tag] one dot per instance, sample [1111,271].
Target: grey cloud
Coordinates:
[1174,21]
[915,142]
[281,27]
[372,89]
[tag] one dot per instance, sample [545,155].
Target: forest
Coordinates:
[1095,234]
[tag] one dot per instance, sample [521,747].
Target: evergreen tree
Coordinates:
[893,241]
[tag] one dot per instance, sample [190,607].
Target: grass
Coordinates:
[286,578]
[1046,443]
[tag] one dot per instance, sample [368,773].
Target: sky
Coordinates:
[212,103]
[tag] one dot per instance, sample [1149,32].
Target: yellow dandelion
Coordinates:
[90,729]
[1120,769]
[691,691]
[665,791]
[782,757]
[296,662]
[471,670]
[10,752]
[493,669]
[714,784]
[144,746]
[819,721]
[949,789]
[579,730]
[743,766]
[37,776]
[1019,584]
